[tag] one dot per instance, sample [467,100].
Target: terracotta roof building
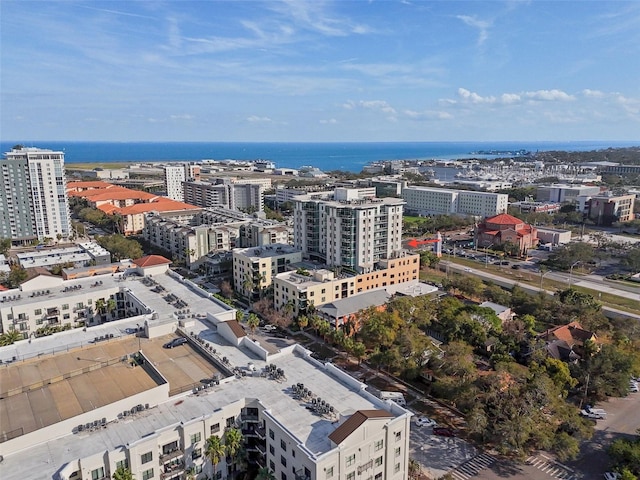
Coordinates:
[505,228]
[566,342]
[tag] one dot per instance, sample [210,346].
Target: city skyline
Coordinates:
[286,71]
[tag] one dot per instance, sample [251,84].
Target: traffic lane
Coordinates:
[513,471]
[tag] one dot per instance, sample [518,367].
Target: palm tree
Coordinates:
[122,473]
[233,442]
[214,450]
[303,322]
[265,474]
[10,337]
[252,322]
[414,468]
[111,305]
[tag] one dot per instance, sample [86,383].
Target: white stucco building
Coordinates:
[443,201]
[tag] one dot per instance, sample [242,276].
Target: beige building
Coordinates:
[607,208]
[254,268]
[353,229]
[317,287]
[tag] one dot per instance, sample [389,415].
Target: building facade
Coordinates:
[176,175]
[561,193]
[318,287]
[33,197]
[503,229]
[255,268]
[227,194]
[607,209]
[441,201]
[350,230]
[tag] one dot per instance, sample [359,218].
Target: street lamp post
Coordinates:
[571,272]
[486,255]
[542,274]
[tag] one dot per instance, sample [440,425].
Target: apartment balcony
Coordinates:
[170,471]
[170,455]
[302,475]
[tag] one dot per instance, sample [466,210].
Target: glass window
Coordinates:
[271,434]
[283,461]
[196,437]
[215,428]
[329,472]
[147,474]
[351,476]
[396,469]
[378,461]
[351,459]
[146,458]
[283,445]
[398,452]
[97,474]
[378,445]
[122,464]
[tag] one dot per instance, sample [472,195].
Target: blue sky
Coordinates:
[319,70]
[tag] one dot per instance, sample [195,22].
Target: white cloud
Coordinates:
[482,26]
[257,119]
[469,97]
[549,95]
[379,105]
[472,97]
[593,93]
[184,116]
[330,121]
[428,115]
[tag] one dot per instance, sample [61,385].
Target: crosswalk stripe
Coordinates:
[551,468]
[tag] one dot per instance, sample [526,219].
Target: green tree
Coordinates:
[265,474]
[120,247]
[5,246]
[122,473]
[303,322]
[215,451]
[253,322]
[233,442]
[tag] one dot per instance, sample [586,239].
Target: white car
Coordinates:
[467,269]
[633,387]
[425,422]
[269,328]
[593,415]
[611,476]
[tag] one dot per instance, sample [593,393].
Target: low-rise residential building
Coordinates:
[80,255]
[304,287]
[566,342]
[226,193]
[342,311]
[503,229]
[254,268]
[443,201]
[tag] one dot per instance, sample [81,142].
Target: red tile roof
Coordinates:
[353,422]
[162,205]
[151,261]
[504,219]
[90,184]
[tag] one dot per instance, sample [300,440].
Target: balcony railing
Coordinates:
[165,457]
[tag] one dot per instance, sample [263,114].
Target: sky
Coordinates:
[319,71]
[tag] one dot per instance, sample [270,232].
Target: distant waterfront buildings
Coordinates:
[563,193]
[33,197]
[441,201]
[245,194]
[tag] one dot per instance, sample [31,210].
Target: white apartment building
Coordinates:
[254,268]
[300,418]
[33,197]
[235,196]
[189,243]
[353,229]
[176,175]
[443,201]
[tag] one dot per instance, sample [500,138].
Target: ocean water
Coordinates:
[326,156]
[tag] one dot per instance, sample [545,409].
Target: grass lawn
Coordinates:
[91,166]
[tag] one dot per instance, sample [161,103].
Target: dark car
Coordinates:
[176,342]
[504,263]
[443,431]
[515,267]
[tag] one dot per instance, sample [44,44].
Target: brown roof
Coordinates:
[151,261]
[572,334]
[236,328]
[162,205]
[353,423]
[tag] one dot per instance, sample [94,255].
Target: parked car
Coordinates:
[443,432]
[176,342]
[593,415]
[504,262]
[425,422]
[633,387]
[269,328]
[611,476]
[515,267]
